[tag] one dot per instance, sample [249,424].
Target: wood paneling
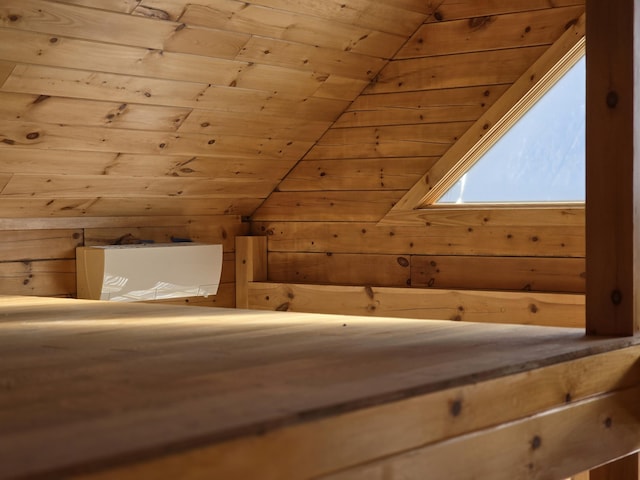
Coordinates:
[546,309]
[367,174]
[340,269]
[106,88]
[363,237]
[107,372]
[499,273]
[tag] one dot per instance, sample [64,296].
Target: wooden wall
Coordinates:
[37,257]
[322,222]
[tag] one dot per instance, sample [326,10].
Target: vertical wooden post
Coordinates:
[627,467]
[251,266]
[613,167]
[613,181]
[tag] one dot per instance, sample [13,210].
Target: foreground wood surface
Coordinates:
[99,390]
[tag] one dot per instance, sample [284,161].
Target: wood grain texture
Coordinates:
[366,237]
[200,370]
[613,111]
[543,309]
[353,437]
[499,273]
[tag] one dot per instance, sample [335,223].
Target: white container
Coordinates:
[128,273]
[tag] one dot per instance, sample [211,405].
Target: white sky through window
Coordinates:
[540,159]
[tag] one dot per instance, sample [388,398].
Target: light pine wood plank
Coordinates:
[613,112]
[131,89]
[213,122]
[450,71]
[544,309]
[116,207]
[251,266]
[56,137]
[522,440]
[428,106]
[66,162]
[369,174]
[353,437]
[340,269]
[332,206]
[58,51]
[378,16]
[85,84]
[56,110]
[387,141]
[457,9]
[548,215]
[206,42]
[42,278]
[340,88]
[228,221]
[257,20]
[499,273]
[310,58]
[111,186]
[222,233]
[362,237]
[483,33]
[225,298]
[39,245]
[6,68]
[124,6]
[55,18]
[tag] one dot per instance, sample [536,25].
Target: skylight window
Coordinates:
[541,158]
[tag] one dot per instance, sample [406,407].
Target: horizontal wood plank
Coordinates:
[427,106]
[469,8]
[499,273]
[117,207]
[533,445]
[366,174]
[112,186]
[67,162]
[354,437]
[544,309]
[388,141]
[340,269]
[40,277]
[364,237]
[39,244]
[225,298]
[257,20]
[56,137]
[53,223]
[131,89]
[57,110]
[334,206]
[450,71]
[490,32]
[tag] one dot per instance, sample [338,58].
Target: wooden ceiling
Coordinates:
[170,107]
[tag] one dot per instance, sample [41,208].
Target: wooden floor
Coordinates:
[93,388]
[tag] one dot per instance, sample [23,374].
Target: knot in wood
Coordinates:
[612,99]
[616,297]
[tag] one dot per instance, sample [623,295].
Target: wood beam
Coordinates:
[613,178]
[613,168]
[251,266]
[626,467]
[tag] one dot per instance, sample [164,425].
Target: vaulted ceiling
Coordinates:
[170,107]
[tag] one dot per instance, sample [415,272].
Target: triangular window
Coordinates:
[541,158]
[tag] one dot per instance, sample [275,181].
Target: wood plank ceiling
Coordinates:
[169,107]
